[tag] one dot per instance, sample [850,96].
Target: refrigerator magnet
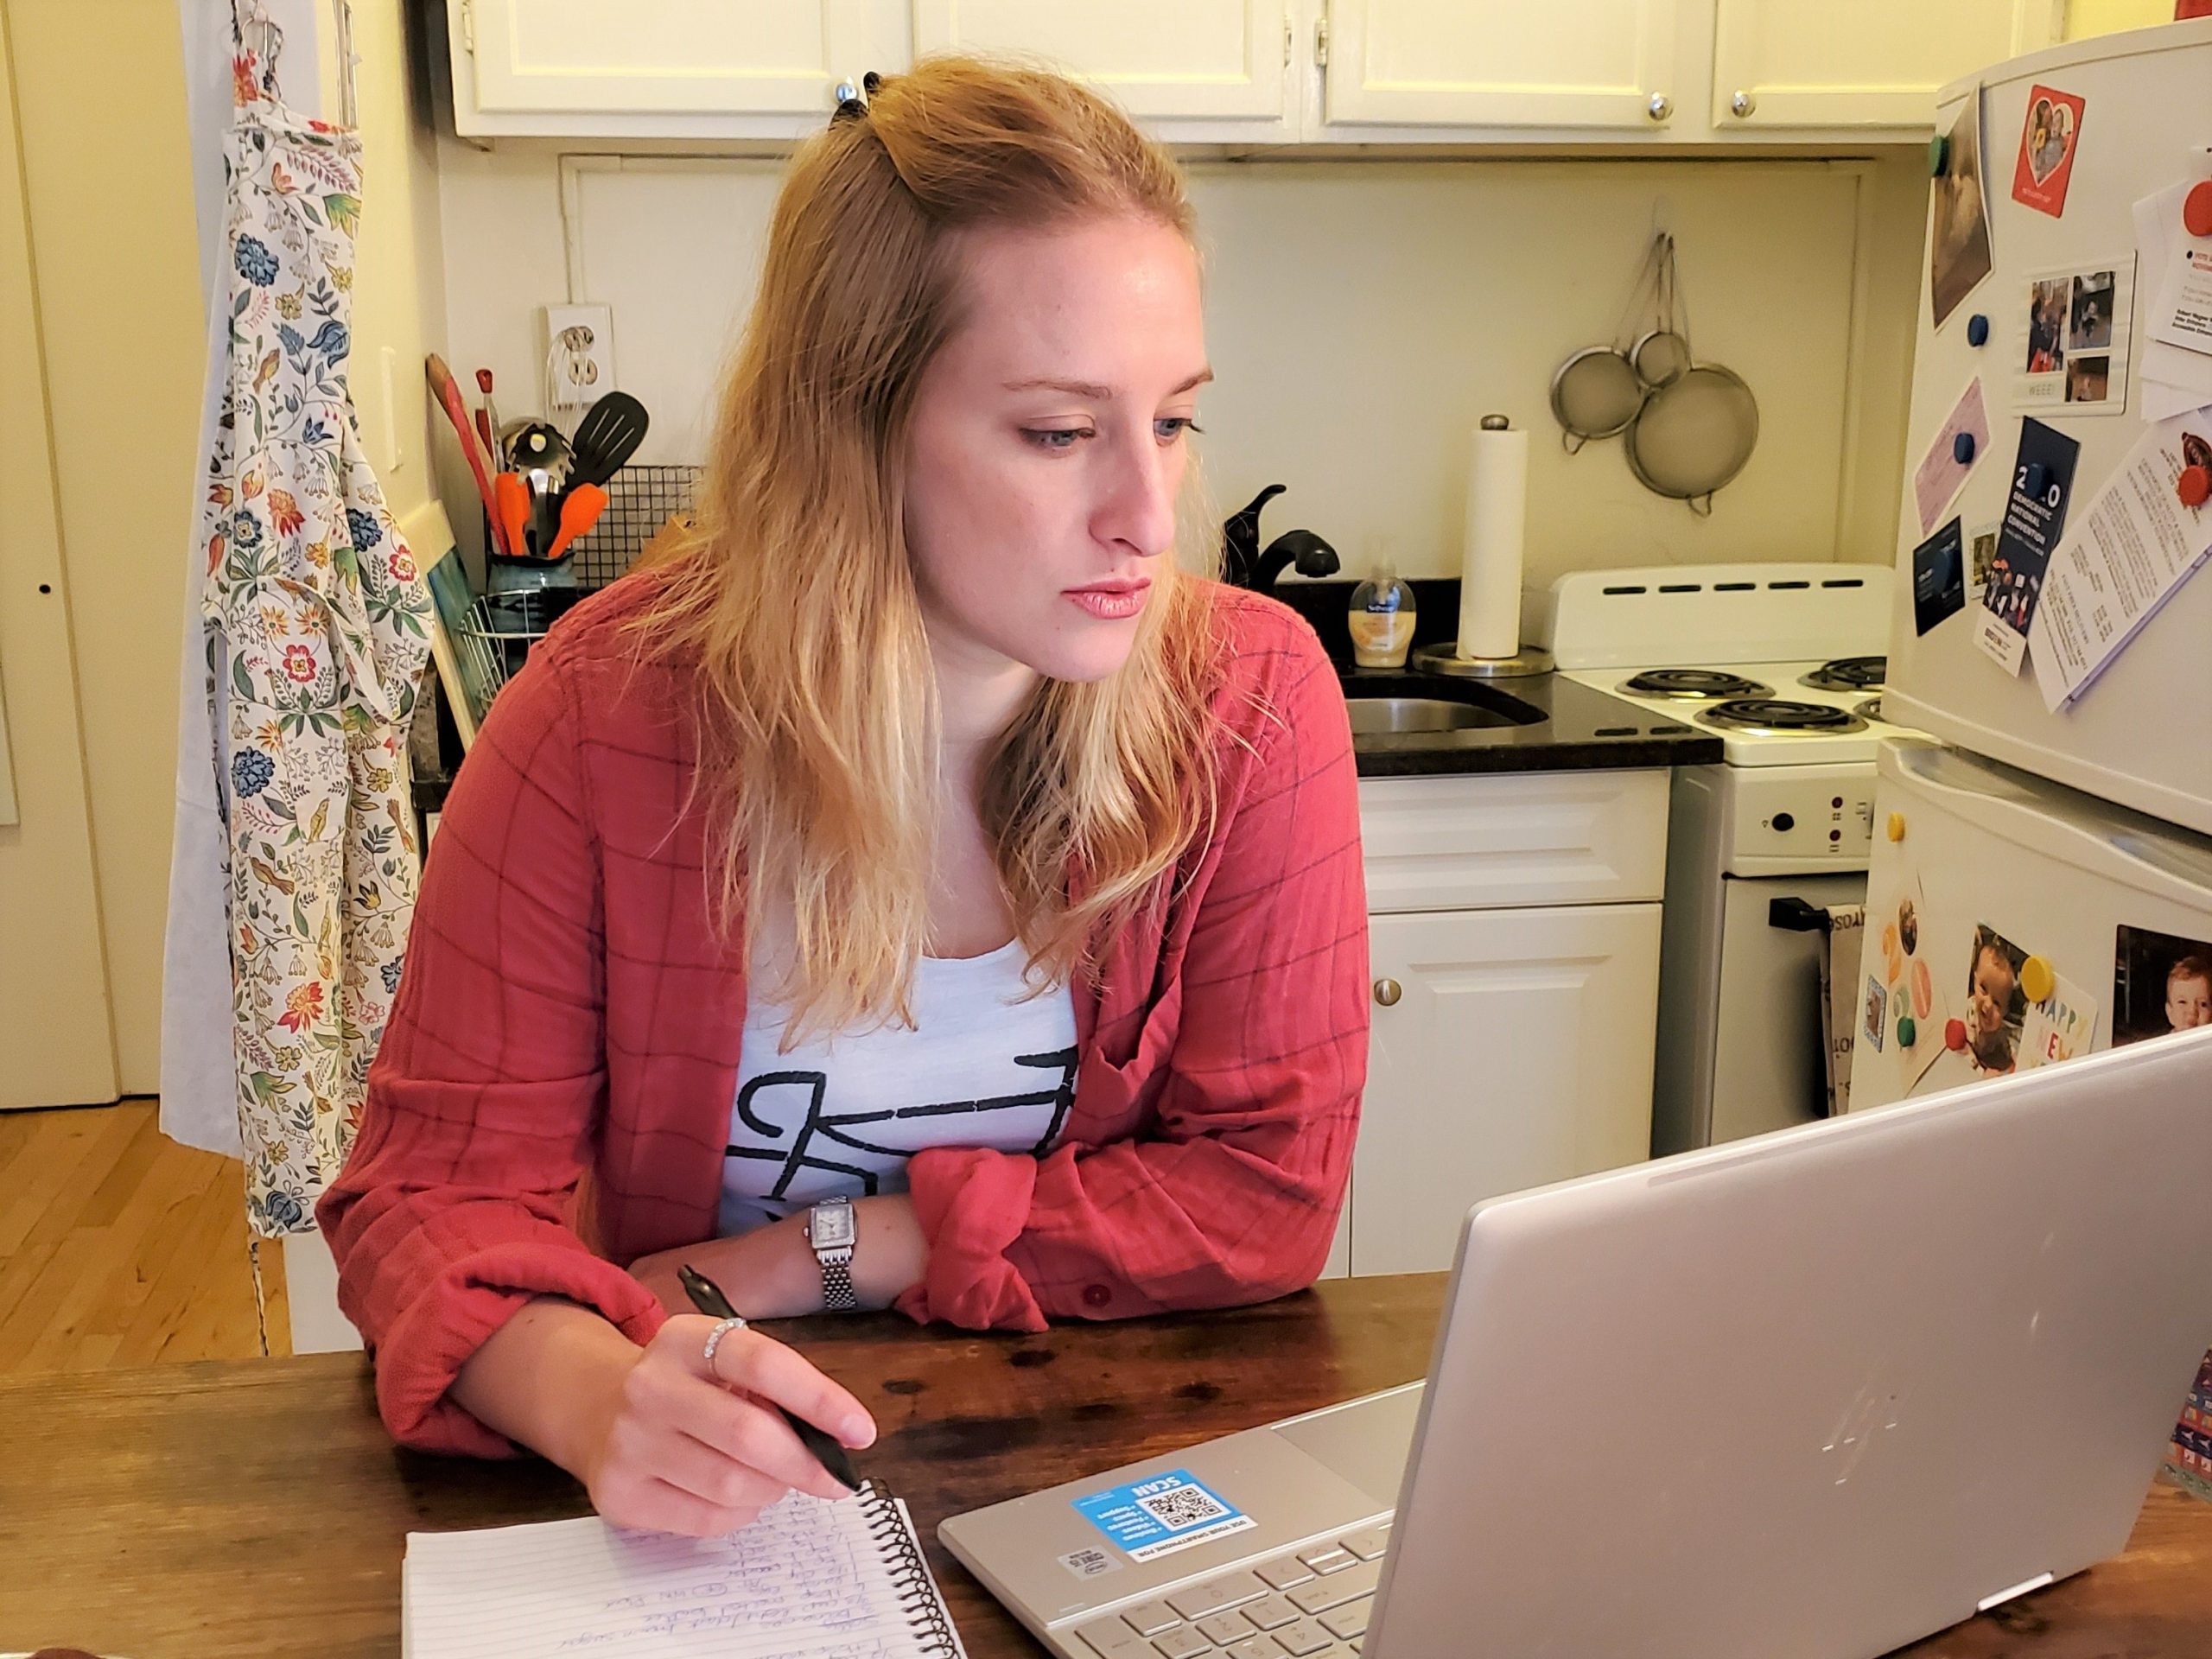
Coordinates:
[2058,1026]
[2048,133]
[2073,338]
[1957,447]
[2161,983]
[2034,518]
[1958,232]
[1939,586]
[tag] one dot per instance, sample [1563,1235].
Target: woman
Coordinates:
[915,837]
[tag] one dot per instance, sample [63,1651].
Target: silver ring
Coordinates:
[715,1337]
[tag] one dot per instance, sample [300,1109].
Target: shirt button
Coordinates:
[1097,1295]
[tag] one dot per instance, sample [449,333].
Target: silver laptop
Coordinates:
[1812,1396]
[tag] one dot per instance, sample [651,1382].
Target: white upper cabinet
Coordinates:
[1499,63]
[1783,63]
[1802,72]
[1223,64]
[663,68]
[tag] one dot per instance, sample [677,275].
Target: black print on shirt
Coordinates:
[838,1127]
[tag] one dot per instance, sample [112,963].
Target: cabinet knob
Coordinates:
[1661,107]
[1742,105]
[1388,991]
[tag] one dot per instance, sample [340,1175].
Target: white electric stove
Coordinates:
[1784,663]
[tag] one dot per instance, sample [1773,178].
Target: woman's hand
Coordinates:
[681,1445]
[771,1273]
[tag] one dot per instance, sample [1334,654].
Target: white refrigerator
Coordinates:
[2041,882]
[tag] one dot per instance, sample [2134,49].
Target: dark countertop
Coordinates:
[1580,730]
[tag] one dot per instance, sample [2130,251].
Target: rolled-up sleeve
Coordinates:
[487,1093]
[1232,1196]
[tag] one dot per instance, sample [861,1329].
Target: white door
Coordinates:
[1161,60]
[1518,1052]
[669,57]
[1976,871]
[1877,63]
[1500,63]
[57,1043]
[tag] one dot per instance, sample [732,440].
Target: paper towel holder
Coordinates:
[1443,656]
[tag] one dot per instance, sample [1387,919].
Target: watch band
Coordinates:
[835,1258]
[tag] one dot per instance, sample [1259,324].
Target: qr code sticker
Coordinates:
[1183,1506]
[1089,1563]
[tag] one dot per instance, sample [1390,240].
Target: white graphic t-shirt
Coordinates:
[980,1068]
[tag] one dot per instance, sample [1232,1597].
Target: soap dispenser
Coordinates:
[1382,616]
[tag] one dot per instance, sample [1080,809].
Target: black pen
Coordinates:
[707,1296]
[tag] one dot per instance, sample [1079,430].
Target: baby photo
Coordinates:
[1995,1003]
[2160,983]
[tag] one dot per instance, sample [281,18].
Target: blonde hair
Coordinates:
[793,596]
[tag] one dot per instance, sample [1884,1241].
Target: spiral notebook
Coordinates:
[810,1579]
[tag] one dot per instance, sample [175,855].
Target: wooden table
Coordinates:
[252,1508]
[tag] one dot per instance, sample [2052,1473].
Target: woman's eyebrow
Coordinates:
[1091,389]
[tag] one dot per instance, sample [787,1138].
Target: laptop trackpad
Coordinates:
[1365,1440]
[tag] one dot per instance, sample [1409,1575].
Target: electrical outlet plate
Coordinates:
[579,354]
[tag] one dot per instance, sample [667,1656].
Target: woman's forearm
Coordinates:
[548,1379]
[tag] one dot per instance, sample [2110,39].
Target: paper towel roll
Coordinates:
[1490,573]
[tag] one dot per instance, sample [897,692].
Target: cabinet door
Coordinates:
[1500,63]
[1161,60]
[667,57]
[1518,1051]
[1813,63]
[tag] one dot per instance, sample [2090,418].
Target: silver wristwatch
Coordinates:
[830,1231]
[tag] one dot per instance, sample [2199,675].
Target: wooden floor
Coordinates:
[120,1248]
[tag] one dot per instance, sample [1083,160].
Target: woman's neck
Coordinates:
[979,695]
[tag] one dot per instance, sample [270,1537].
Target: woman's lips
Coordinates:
[1110,602]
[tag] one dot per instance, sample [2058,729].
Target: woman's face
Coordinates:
[1036,511]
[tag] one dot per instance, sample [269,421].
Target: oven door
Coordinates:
[1768,1068]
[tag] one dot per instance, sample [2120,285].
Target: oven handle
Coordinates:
[1795,915]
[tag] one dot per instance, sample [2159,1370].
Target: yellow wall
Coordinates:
[2087,17]
[108,184]
[399,275]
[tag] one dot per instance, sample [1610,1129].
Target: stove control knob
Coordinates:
[1784,822]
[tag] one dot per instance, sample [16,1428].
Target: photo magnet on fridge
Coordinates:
[1958,231]
[2048,134]
[2161,983]
[2034,518]
[1939,585]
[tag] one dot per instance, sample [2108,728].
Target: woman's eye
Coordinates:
[1051,439]
[1174,426]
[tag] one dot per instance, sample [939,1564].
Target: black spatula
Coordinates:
[609,434]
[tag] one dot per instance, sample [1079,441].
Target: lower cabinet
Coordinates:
[1514,1049]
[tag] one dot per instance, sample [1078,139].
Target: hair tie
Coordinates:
[851,102]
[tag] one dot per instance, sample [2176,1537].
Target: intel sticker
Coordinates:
[1148,1519]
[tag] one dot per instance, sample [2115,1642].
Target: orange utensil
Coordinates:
[448,395]
[514,516]
[580,510]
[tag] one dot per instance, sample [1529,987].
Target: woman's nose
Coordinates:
[1138,507]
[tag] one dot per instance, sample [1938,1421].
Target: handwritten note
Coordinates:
[810,1581]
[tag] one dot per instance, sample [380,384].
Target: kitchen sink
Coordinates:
[1391,705]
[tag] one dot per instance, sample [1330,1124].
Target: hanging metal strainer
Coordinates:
[1693,434]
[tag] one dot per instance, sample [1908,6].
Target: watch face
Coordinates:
[830,1226]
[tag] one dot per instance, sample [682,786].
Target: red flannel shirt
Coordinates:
[560,1064]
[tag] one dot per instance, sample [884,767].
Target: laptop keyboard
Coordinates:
[1310,1603]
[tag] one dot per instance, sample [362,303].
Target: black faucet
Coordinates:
[1246,566]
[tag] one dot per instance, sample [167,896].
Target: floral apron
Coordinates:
[316,627]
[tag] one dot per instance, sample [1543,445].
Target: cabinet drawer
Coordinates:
[1514,839]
